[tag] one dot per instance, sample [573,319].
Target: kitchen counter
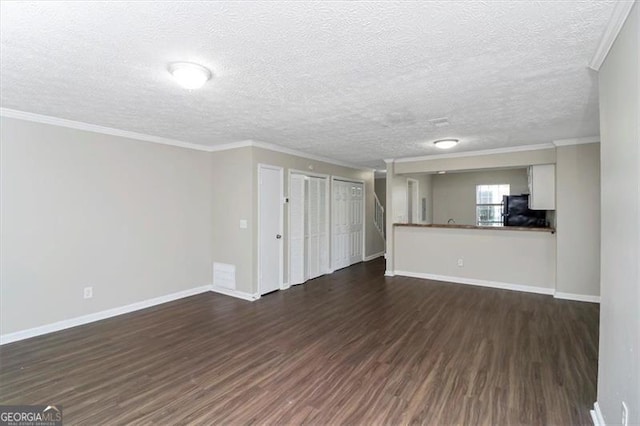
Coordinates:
[482,228]
[511,257]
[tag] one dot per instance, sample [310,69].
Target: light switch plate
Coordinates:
[243,224]
[88,292]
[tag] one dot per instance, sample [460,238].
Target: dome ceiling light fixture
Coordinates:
[446,143]
[189,75]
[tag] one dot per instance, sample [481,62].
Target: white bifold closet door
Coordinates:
[348,223]
[317,233]
[309,235]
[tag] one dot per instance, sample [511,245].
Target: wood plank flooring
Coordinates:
[349,348]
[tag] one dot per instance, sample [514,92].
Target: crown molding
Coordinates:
[577,141]
[278,148]
[230,145]
[508,150]
[78,125]
[616,21]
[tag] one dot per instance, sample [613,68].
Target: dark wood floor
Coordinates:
[349,348]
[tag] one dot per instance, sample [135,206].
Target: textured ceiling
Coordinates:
[354,81]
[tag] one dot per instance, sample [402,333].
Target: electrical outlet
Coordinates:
[461,262]
[88,292]
[625,414]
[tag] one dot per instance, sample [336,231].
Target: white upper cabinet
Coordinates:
[542,187]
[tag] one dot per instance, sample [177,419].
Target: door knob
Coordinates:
[278,236]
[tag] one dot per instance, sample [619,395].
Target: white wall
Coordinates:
[390,216]
[578,219]
[129,218]
[522,258]
[454,194]
[380,188]
[619,356]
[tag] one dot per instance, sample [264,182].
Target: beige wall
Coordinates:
[578,219]
[475,162]
[454,194]
[508,257]
[619,356]
[454,197]
[398,170]
[134,220]
[232,186]
[129,218]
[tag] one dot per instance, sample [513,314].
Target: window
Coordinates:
[489,204]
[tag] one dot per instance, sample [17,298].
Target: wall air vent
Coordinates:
[224,275]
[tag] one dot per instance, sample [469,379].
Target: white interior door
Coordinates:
[356,223]
[340,229]
[347,223]
[297,229]
[270,216]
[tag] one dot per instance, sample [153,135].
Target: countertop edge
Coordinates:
[480,228]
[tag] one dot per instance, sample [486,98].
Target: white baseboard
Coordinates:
[373,256]
[596,415]
[476,282]
[577,297]
[235,293]
[97,316]
[389,274]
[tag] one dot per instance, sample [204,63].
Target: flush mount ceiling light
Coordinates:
[446,143]
[188,75]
